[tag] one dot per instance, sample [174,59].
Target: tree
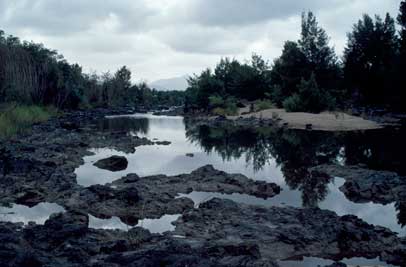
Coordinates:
[370,60]
[402,23]
[321,58]
[224,72]
[401,81]
[299,60]
[287,72]
[121,86]
[310,97]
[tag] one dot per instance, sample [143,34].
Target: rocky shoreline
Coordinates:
[39,167]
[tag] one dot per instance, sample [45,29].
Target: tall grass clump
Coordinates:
[18,119]
[263,105]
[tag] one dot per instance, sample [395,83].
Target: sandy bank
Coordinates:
[325,121]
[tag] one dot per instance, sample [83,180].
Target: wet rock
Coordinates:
[29,197]
[65,241]
[155,196]
[163,143]
[113,163]
[337,264]
[67,125]
[172,111]
[102,192]
[283,232]
[365,185]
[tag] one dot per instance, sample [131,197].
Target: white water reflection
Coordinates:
[155,226]
[22,214]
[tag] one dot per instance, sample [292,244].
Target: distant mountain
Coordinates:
[177,83]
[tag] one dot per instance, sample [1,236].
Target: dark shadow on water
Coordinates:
[125,124]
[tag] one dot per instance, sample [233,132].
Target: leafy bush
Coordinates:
[310,98]
[216,101]
[293,103]
[220,107]
[263,104]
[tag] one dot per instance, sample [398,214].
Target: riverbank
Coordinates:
[325,121]
[16,119]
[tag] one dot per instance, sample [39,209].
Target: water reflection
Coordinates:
[124,124]
[38,214]
[293,151]
[155,226]
[297,151]
[274,155]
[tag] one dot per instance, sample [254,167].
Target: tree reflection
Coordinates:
[378,149]
[401,209]
[297,151]
[125,124]
[294,151]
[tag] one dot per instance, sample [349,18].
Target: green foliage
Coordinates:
[18,119]
[32,74]
[309,98]
[401,63]
[311,55]
[370,60]
[216,101]
[293,103]
[224,107]
[263,105]
[230,79]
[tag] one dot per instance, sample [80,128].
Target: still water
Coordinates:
[272,155]
[279,157]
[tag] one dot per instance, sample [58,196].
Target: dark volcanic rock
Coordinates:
[113,163]
[162,143]
[131,197]
[283,233]
[365,185]
[337,264]
[65,240]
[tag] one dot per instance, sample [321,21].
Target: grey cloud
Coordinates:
[243,12]
[164,38]
[64,17]
[203,40]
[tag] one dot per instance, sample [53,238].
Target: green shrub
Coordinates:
[216,101]
[310,98]
[293,103]
[276,94]
[227,107]
[17,119]
[263,105]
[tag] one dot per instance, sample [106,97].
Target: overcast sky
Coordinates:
[167,38]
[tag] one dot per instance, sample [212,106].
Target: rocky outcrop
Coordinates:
[365,185]
[219,233]
[65,240]
[282,232]
[113,163]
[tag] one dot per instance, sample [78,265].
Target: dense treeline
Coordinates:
[309,76]
[33,74]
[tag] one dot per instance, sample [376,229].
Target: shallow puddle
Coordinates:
[38,214]
[155,226]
